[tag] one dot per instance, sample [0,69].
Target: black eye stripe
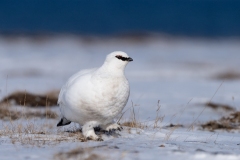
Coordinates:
[122,58]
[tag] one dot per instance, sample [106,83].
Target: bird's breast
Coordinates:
[111,97]
[112,91]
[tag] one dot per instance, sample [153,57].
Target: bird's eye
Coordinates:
[124,58]
[119,56]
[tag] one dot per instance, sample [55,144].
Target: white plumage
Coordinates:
[94,97]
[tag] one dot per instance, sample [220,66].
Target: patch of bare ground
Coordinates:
[7,114]
[31,100]
[232,122]
[174,125]
[78,154]
[228,75]
[220,106]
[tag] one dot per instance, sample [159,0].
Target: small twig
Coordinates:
[134,116]
[25,97]
[216,139]
[7,90]
[122,115]
[205,106]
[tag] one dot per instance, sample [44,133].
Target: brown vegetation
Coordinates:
[229,75]
[133,124]
[220,106]
[31,100]
[226,123]
[78,154]
[174,125]
[6,113]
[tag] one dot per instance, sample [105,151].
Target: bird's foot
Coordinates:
[89,133]
[94,138]
[112,128]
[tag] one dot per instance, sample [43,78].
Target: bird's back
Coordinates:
[71,81]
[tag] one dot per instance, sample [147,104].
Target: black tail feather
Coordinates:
[63,122]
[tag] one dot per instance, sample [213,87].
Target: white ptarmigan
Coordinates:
[94,97]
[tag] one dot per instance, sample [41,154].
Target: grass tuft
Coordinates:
[220,106]
[31,100]
[231,122]
[9,114]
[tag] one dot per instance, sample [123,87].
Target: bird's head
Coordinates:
[118,59]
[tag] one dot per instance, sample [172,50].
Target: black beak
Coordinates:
[129,59]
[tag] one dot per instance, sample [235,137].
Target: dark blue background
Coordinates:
[208,18]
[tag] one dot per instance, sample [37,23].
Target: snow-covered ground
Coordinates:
[176,74]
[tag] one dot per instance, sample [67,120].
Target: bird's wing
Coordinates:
[70,80]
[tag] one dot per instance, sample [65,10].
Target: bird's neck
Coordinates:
[111,70]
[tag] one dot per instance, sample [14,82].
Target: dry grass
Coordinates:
[133,121]
[233,118]
[7,114]
[133,124]
[27,132]
[228,75]
[158,118]
[216,125]
[32,134]
[220,106]
[31,100]
[23,134]
[78,154]
[192,125]
[168,135]
[232,122]
[77,135]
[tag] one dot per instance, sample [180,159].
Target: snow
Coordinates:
[178,72]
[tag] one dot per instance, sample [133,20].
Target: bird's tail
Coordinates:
[63,122]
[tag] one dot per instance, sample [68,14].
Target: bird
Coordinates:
[95,97]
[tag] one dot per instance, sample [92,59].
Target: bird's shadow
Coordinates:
[98,131]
